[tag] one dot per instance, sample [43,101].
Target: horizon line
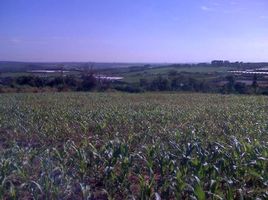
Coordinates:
[131,62]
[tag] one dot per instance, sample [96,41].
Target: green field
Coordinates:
[194,69]
[133,146]
[133,76]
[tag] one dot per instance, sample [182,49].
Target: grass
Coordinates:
[125,146]
[151,73]
[195,69]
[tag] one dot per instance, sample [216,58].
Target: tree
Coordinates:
[160,83]
[175,84]
[143,83]
[240,88]
[172,73]
[70,81]
[230,84]
[88,82]
[217,63]
[254,83]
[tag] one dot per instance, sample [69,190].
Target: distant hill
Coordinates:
[11,66]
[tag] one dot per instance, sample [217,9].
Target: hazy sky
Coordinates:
[134,30]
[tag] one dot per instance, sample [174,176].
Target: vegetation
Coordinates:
[202,77]
[174,81]
[125,146]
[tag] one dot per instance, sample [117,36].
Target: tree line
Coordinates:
[174,81]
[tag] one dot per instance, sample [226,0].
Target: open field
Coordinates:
[125,146]
[200,77]
[132,75]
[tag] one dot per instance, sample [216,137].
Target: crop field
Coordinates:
[133,146]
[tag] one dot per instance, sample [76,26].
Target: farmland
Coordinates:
[216,77]
[134,74]
[141,146]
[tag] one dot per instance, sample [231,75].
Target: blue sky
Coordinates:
[134,30]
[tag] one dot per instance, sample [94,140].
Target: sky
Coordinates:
[164,31]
